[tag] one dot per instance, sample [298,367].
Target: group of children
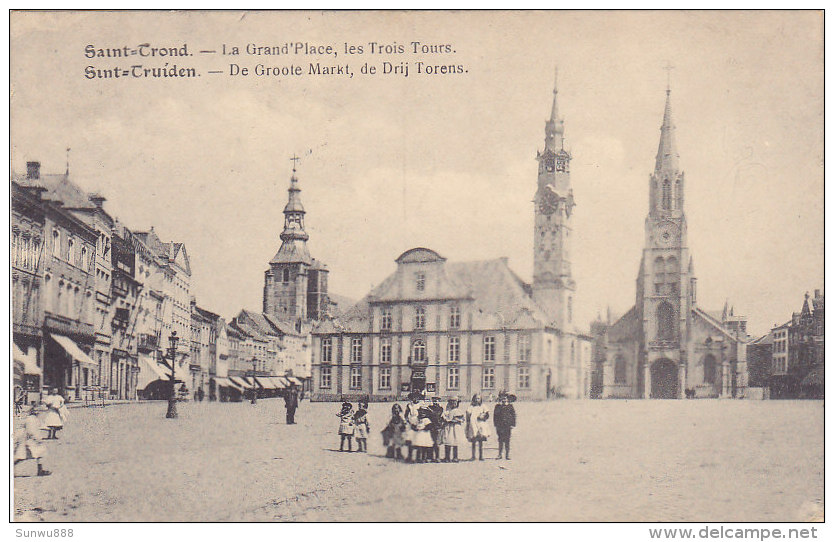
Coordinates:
[354,424]
[424,426]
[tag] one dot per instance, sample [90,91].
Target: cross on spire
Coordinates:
[668,67]
[68,151]
[294,160]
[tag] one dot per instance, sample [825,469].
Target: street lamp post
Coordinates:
[172,355]
[254,389]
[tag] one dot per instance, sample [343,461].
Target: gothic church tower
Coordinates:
[553,284]
[665,287]
[295,285]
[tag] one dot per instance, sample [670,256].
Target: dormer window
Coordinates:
[421,282]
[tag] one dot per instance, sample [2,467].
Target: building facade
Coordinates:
[666,344]
[459,328]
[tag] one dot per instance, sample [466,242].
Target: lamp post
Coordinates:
[254,389]
[172,355]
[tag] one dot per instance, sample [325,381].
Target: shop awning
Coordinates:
[281,382]
[30,366]
[150,370]
[72,349]
[294,380]
[266,382]
[227,383]
[240,381]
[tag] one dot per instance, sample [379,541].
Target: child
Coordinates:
[436,427]
[393,435]
[363,427]
[453,419]
[504,420]
[411,419]
[477,428]
[422,434]
[56,413]
[346,426]
[27,442]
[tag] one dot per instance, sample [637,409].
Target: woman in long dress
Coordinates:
[56,413]
[477,428]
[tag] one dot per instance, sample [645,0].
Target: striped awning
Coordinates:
[73,350]
[241,382]
[227,383]
[266,382]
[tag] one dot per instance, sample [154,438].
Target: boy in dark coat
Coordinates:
[436,427]
[504,420]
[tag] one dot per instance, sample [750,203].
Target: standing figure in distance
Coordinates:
[477,428]
[504,420]
[393,436]
[56,413]
[436,427]
[411,416]
[291,403]
[346,427]
[363,427]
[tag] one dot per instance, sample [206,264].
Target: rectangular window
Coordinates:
[385,350]
[454,318]
[489,377]
[356,350]
[421,282]
[324,381]
[524,377]
[489,348]
[385,378]
[326,349]
[454,378]
[420,318]
[387,321]
[356,377]
[454,349]
[524,348]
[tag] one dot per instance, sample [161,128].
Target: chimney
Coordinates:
[33,170]
[98,200]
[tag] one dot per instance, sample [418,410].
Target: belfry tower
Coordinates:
[295,285]
[553,284]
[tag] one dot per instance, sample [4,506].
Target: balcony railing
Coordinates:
[147,342]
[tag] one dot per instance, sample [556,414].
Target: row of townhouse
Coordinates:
[789,361]
[95,304]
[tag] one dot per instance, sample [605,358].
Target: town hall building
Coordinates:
[666,346]
[459,328]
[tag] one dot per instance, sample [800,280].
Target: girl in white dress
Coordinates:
[453,419]
[477,428]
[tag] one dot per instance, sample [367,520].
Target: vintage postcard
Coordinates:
[411,266]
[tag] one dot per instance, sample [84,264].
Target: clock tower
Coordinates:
[553,284]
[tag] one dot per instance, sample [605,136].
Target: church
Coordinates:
[666,346]
[458,328]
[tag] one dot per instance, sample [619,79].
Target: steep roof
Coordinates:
[499,297]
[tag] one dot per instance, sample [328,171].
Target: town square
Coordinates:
[453,281]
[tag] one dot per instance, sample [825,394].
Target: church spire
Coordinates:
[294,212]
[667,151]
[555,126]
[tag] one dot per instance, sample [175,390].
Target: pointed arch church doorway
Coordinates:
[664,379]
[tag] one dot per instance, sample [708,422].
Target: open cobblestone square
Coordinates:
[708,460]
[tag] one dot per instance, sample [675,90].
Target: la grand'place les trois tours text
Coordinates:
[284,60]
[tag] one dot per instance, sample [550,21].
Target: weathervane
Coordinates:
[668,67]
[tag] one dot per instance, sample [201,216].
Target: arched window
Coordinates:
[672,267]
[659,268]
[83,258]
[619,370]
[56,243]
[667,195]
[666,322]
[71,251]
[286,275]
[709,369]
[418,351]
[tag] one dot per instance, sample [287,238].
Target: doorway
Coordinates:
[664,379]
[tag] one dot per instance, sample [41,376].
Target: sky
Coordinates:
[445,161]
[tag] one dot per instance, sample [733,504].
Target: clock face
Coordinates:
[666,235]
[549,202]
